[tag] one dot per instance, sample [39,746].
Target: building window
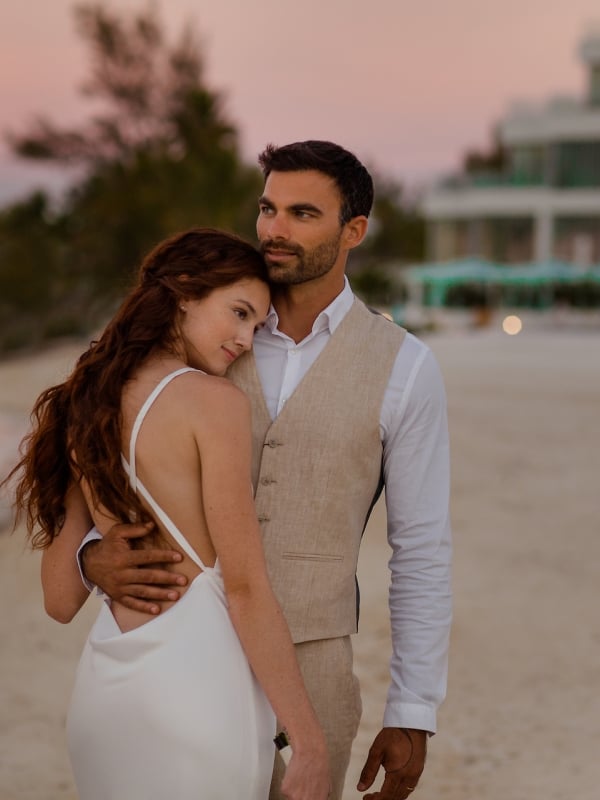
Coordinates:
[577,239]
[577,164]
[526,165]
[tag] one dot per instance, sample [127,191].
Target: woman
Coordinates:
[146,428]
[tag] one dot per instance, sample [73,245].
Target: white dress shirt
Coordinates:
[414,434]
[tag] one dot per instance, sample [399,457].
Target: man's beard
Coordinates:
[303,266]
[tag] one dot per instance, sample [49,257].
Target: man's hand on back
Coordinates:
[125,575]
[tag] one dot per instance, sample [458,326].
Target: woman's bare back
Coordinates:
[168,464]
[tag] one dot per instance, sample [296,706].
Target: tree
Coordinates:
[152,98]
[158,154]
[37,295]
[483,162]
[398,228]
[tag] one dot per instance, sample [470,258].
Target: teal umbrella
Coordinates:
[438,278]
[542,273]
[451,273]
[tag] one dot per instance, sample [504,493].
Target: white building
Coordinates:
[545,202]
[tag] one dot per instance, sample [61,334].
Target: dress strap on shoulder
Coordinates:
[141,416]
[138,486]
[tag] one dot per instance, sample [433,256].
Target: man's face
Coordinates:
[299,227]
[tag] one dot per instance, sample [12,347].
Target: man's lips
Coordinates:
[276,253]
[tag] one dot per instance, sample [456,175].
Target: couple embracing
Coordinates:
[229,611]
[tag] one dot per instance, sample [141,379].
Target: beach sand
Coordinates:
[521,719]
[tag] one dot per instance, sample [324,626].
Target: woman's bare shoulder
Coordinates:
[198,385]
[196,393]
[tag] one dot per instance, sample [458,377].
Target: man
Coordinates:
[340,398]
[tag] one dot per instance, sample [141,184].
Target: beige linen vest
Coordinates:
[316,469]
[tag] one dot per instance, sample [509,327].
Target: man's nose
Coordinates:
[275,227]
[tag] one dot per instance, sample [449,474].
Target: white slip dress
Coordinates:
[170,709]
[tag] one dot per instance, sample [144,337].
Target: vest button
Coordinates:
[272,442]
[263,518]
[266,481]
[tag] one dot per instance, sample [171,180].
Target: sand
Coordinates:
[522,719]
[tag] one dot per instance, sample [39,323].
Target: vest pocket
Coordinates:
[311,557]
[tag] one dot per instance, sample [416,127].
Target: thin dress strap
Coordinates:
[137,485]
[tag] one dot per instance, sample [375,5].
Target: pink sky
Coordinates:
[408,86]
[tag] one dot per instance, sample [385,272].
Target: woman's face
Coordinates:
[217,329]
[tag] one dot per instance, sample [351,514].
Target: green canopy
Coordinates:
[452,273]
[543,273]
[437,278]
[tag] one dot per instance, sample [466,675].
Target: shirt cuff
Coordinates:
[91,536]
[410,715]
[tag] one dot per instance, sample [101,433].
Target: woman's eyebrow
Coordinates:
[248,305]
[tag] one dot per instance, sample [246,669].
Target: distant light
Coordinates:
[512,325]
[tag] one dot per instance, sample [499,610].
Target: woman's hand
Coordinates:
[307,776]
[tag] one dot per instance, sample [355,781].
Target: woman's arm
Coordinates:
[223,436]
[64,593]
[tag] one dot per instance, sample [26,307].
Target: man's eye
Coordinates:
[265,209]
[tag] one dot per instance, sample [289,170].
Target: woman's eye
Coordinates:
[241,312]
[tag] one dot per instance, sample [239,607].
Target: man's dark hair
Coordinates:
[351,177]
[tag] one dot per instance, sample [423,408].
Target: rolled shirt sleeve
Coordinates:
[91,536]
[417,479]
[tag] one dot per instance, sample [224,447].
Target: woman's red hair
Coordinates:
[76,425]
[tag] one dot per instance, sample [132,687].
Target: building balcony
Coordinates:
[462,198]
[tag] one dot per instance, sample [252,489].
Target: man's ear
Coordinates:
[355,231]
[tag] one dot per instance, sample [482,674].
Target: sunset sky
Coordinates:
[408,86]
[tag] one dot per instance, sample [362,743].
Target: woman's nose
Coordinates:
[244,338]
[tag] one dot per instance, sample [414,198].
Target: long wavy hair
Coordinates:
[76,425]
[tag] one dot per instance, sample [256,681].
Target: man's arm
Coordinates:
[416,471]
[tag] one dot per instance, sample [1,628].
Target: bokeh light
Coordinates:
[512,325]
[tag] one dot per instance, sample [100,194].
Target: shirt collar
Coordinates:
[328,319]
